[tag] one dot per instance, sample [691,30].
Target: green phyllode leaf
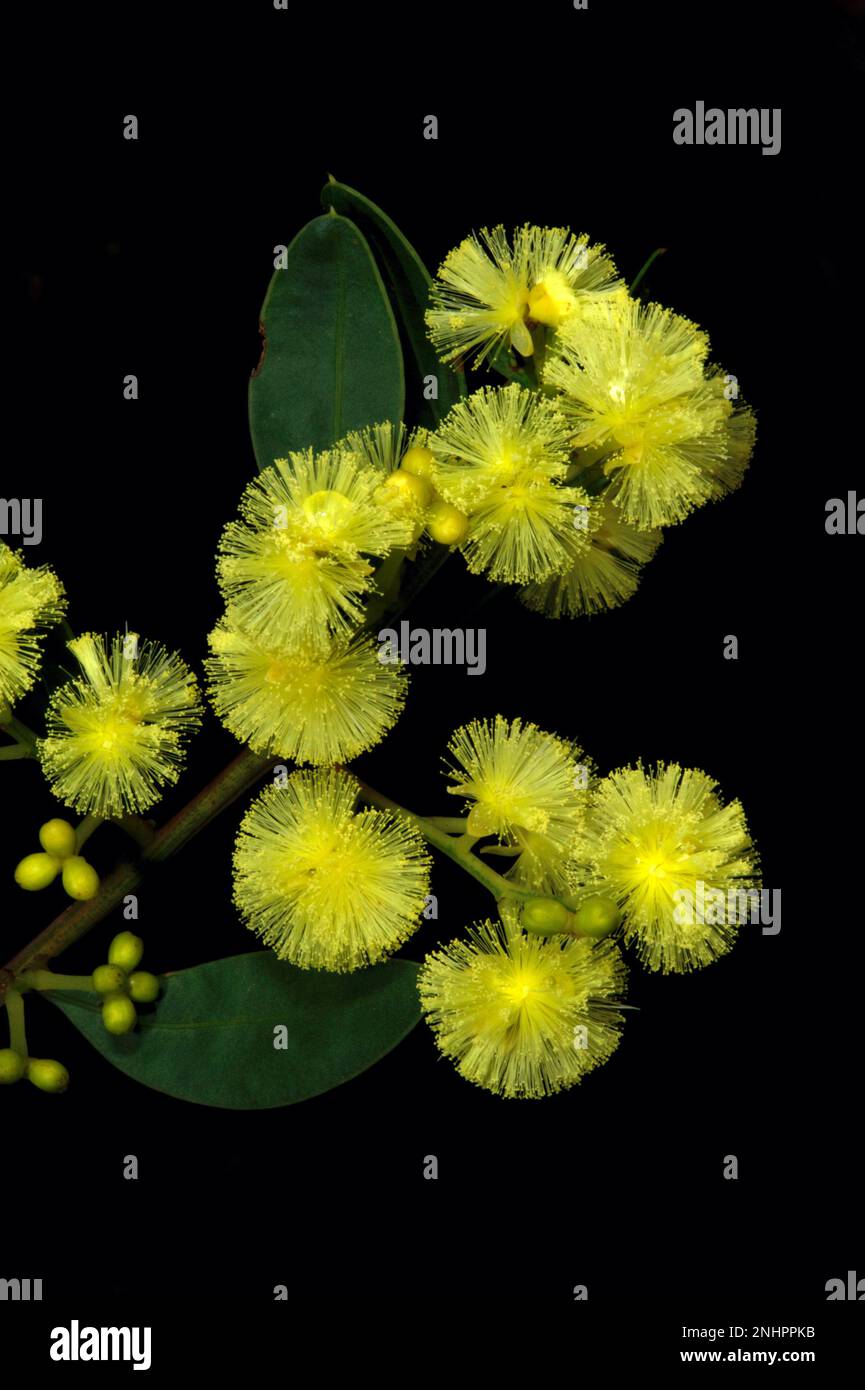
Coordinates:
[408,282]
[331,360]
[211,1037]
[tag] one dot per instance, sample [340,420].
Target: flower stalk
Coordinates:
[457,845]
[25,739]
[17,1031]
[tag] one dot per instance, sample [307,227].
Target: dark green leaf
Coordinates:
[331,360]
[408,282]
[210,1037]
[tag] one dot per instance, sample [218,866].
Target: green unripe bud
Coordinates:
[118,1014]
[12,1066]
[36,871]
[80,879]
[109,979]
[143,987]
[47,1075]
[597,917]
[57,837]
[126,950]
[544,916]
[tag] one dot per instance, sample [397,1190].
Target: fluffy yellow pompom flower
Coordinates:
[313,706]
[117,733]
[524,1016]
[603,575]
[650,838]
[528,788]
[30,601]
[294,566]
[633,378]
[326,887]
[490,290]
[501,457]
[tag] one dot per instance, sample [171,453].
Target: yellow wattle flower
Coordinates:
[633,380]
[523,1016]
[527,788]
[501,458]
[310,705]
[491,289]
[603,575]
[324,886]
[31,600]
[652,834]
[116,734]
[295,567]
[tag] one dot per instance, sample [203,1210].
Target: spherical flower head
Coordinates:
[633,377]
[650,837]
[295,565]
[523,1016]
[116,734]
[310,705]
[325,886]
[525,787]
[502,456]
[604,574]
[31,600]
[490,291]
[726,454]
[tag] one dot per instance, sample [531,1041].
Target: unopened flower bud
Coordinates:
[47,1075]
[544,916]
[109,979]
[12,1066]
[36,871]
[143,987]
[126,950]
[118,1014]
[57,837]
[419,461]
[80,879]
[597,917]
[410,486]
[447,524]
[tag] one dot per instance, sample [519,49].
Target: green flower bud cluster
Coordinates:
[37,871]
[47,1075]
[595,917]
[122,985]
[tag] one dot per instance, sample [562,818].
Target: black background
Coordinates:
[153,257]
